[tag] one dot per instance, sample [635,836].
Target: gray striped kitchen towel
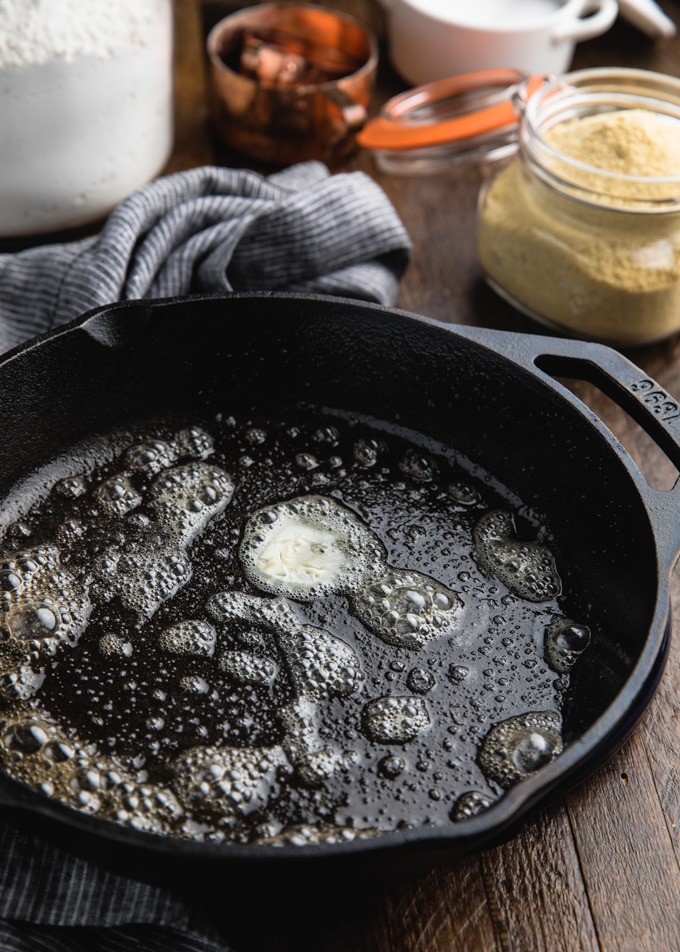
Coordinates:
[207,230]
[212,230]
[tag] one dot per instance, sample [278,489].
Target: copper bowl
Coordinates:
[291,83]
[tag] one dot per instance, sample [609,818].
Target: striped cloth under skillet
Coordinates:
[208,230]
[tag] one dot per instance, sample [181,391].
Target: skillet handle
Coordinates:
[637,394]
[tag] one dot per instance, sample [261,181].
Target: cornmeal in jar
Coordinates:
[591,245]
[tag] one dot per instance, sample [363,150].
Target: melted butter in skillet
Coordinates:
[252,632]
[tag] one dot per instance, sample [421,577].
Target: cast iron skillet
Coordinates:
[490,394]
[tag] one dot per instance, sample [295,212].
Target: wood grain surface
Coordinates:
[599,872]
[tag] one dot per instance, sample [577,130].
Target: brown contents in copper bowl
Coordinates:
[278,58]
[291,83]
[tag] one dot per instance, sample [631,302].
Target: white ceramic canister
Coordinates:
[86,108]
[434,39]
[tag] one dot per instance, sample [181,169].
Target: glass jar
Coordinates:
[87,108]
[590,248]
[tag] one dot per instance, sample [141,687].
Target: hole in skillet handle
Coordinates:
[644,400]
[627,387]
[621,385]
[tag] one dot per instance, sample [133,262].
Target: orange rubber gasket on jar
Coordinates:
[483,102]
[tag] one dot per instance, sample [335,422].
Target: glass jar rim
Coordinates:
[590,91]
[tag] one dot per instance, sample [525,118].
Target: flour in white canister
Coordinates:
[36,31]
[85,107]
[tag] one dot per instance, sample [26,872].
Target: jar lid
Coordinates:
[465,117]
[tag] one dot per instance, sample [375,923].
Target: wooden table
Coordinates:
[601,871]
